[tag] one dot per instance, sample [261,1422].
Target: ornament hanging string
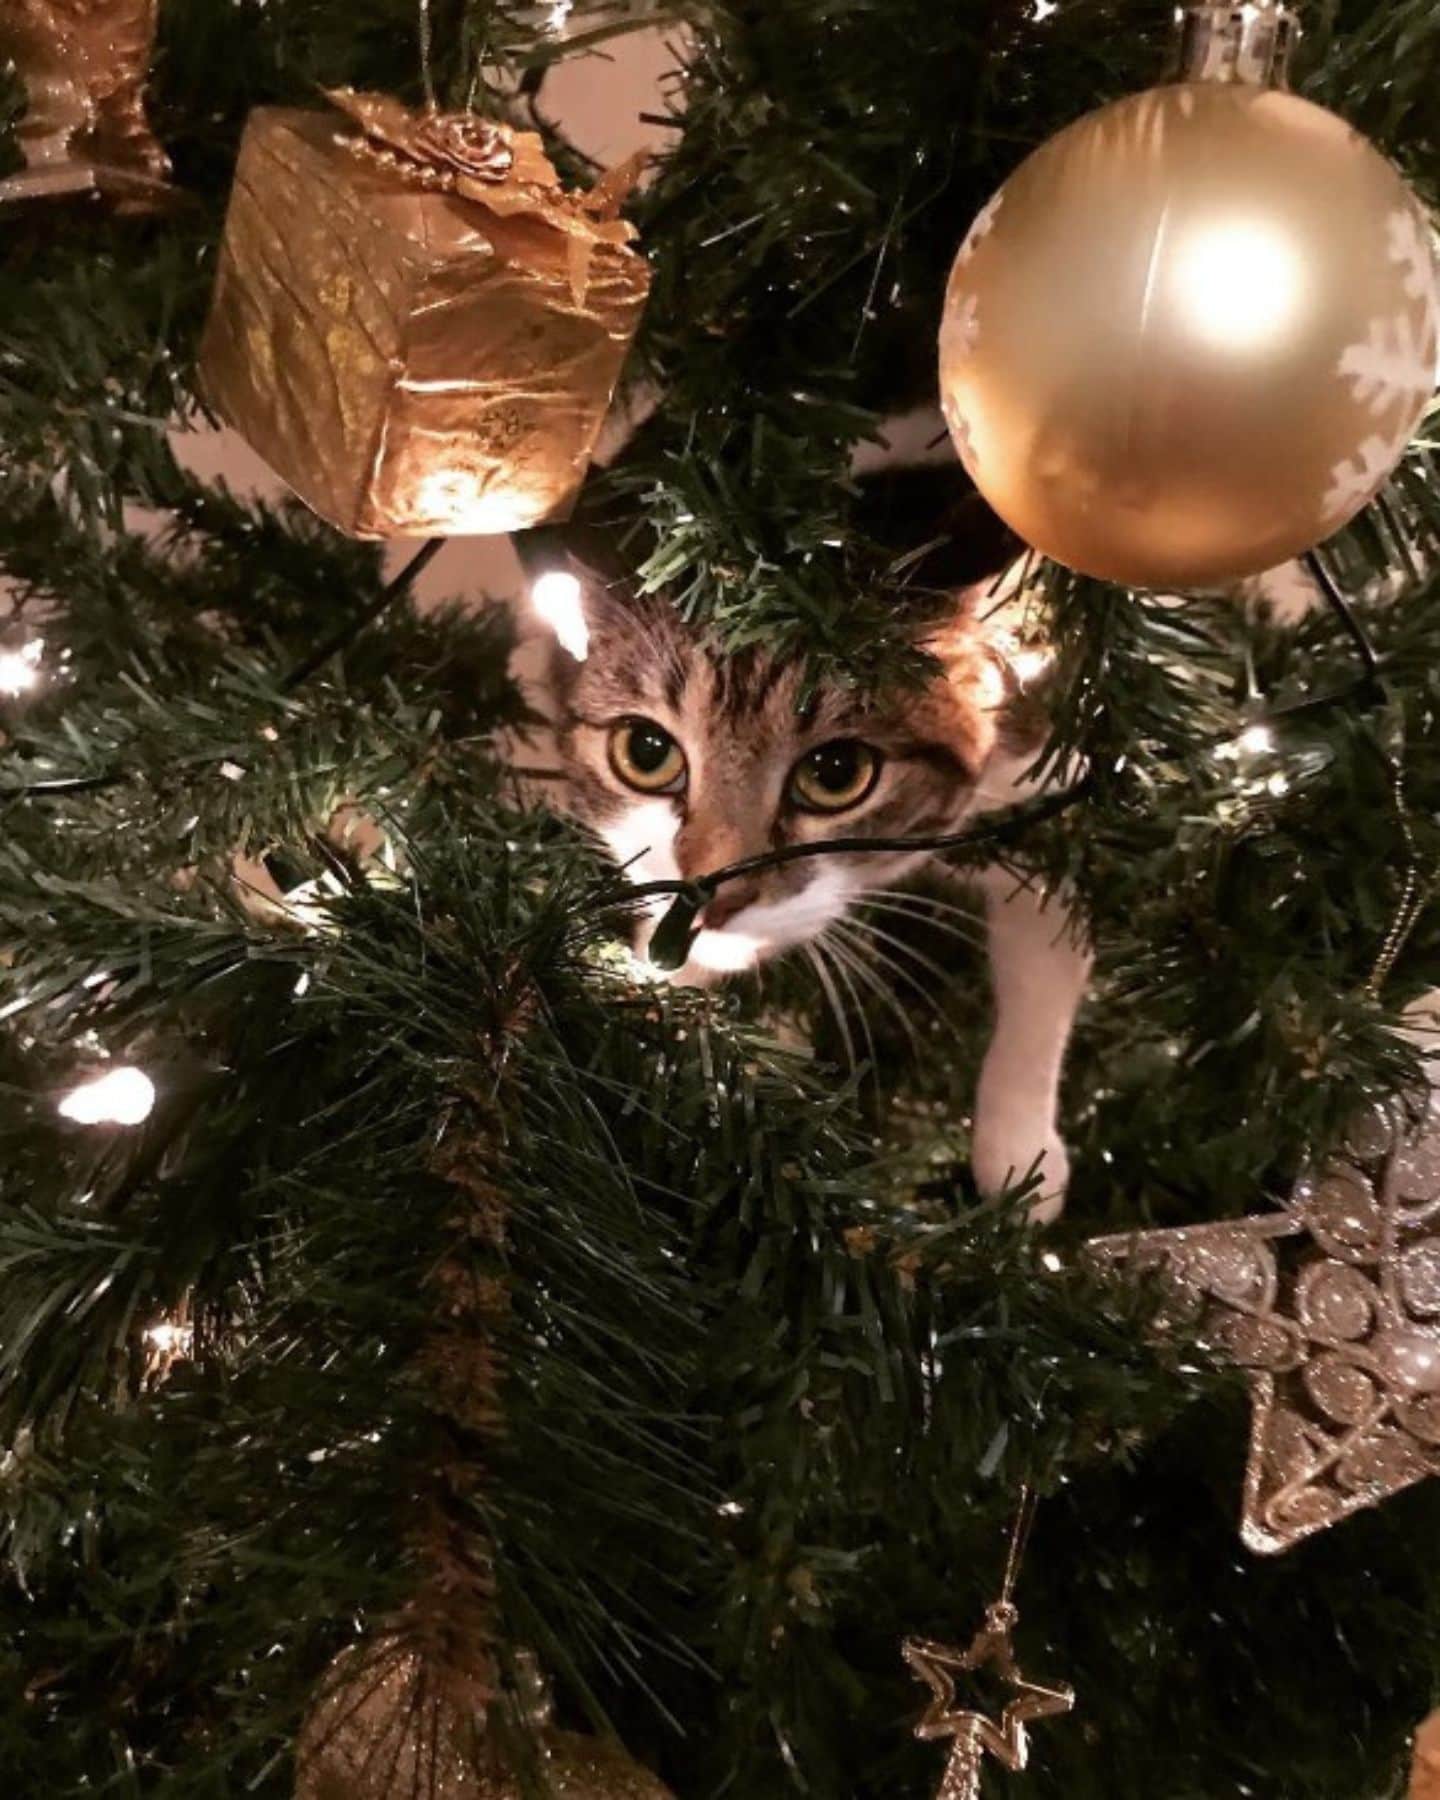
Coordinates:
[1369,691]
[1414,893]
[427,71]
[974,1734]
[1019,1543]
[344,635]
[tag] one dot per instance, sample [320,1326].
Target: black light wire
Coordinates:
[670,942]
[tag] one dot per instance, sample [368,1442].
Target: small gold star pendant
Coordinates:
[972,1732]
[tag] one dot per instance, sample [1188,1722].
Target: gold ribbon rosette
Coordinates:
[499,168]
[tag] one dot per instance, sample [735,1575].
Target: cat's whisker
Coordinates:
[930,903]
[844,965]
[883,974]
[814,955]
[952,921]
[868,928]
[857,961]
[937,927]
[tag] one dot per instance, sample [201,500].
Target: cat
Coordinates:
[681,761]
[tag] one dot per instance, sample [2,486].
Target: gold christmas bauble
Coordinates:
[380,1730]
[1191,335]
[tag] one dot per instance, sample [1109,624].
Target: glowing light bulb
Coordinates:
[555,596]
[307,903]
[1239,284]
[1031,663]
[122,1096]
[171,1339]
[451,494]
[725,952]
[20,669]
[1255,740]
[640,969]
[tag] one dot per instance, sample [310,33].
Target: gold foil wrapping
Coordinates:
[84,64]
[413,324]
[381,1730]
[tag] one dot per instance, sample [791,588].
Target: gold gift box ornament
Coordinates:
[414,324]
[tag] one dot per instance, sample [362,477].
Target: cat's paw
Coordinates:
[1002,1159]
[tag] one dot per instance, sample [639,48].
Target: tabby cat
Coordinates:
[682,761]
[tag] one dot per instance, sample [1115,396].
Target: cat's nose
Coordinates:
[732,898]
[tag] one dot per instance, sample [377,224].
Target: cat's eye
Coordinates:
[645,756]
[834,776]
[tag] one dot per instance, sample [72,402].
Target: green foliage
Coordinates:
[772,1372]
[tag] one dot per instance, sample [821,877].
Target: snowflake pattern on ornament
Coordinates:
[981,229]
[1354,479]
[1394,367]
[962,328]
[960,433]
[1393,373]
[1410,247]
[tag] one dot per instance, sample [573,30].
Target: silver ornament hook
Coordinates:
[1247,44]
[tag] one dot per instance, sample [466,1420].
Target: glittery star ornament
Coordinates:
[973,1733]
[383,1728]
[1332,1306]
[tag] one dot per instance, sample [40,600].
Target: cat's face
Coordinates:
[682,762]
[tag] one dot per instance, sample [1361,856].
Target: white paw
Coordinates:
[1002,1158]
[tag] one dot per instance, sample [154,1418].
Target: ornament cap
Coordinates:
[1248,43]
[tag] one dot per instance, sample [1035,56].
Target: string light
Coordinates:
[641,970]
[1255,740]
[1031,663]
[170,1338]
[555,597]
[308,903]
[122,1096]
[20,669]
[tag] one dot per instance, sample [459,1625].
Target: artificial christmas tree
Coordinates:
[396,1266]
